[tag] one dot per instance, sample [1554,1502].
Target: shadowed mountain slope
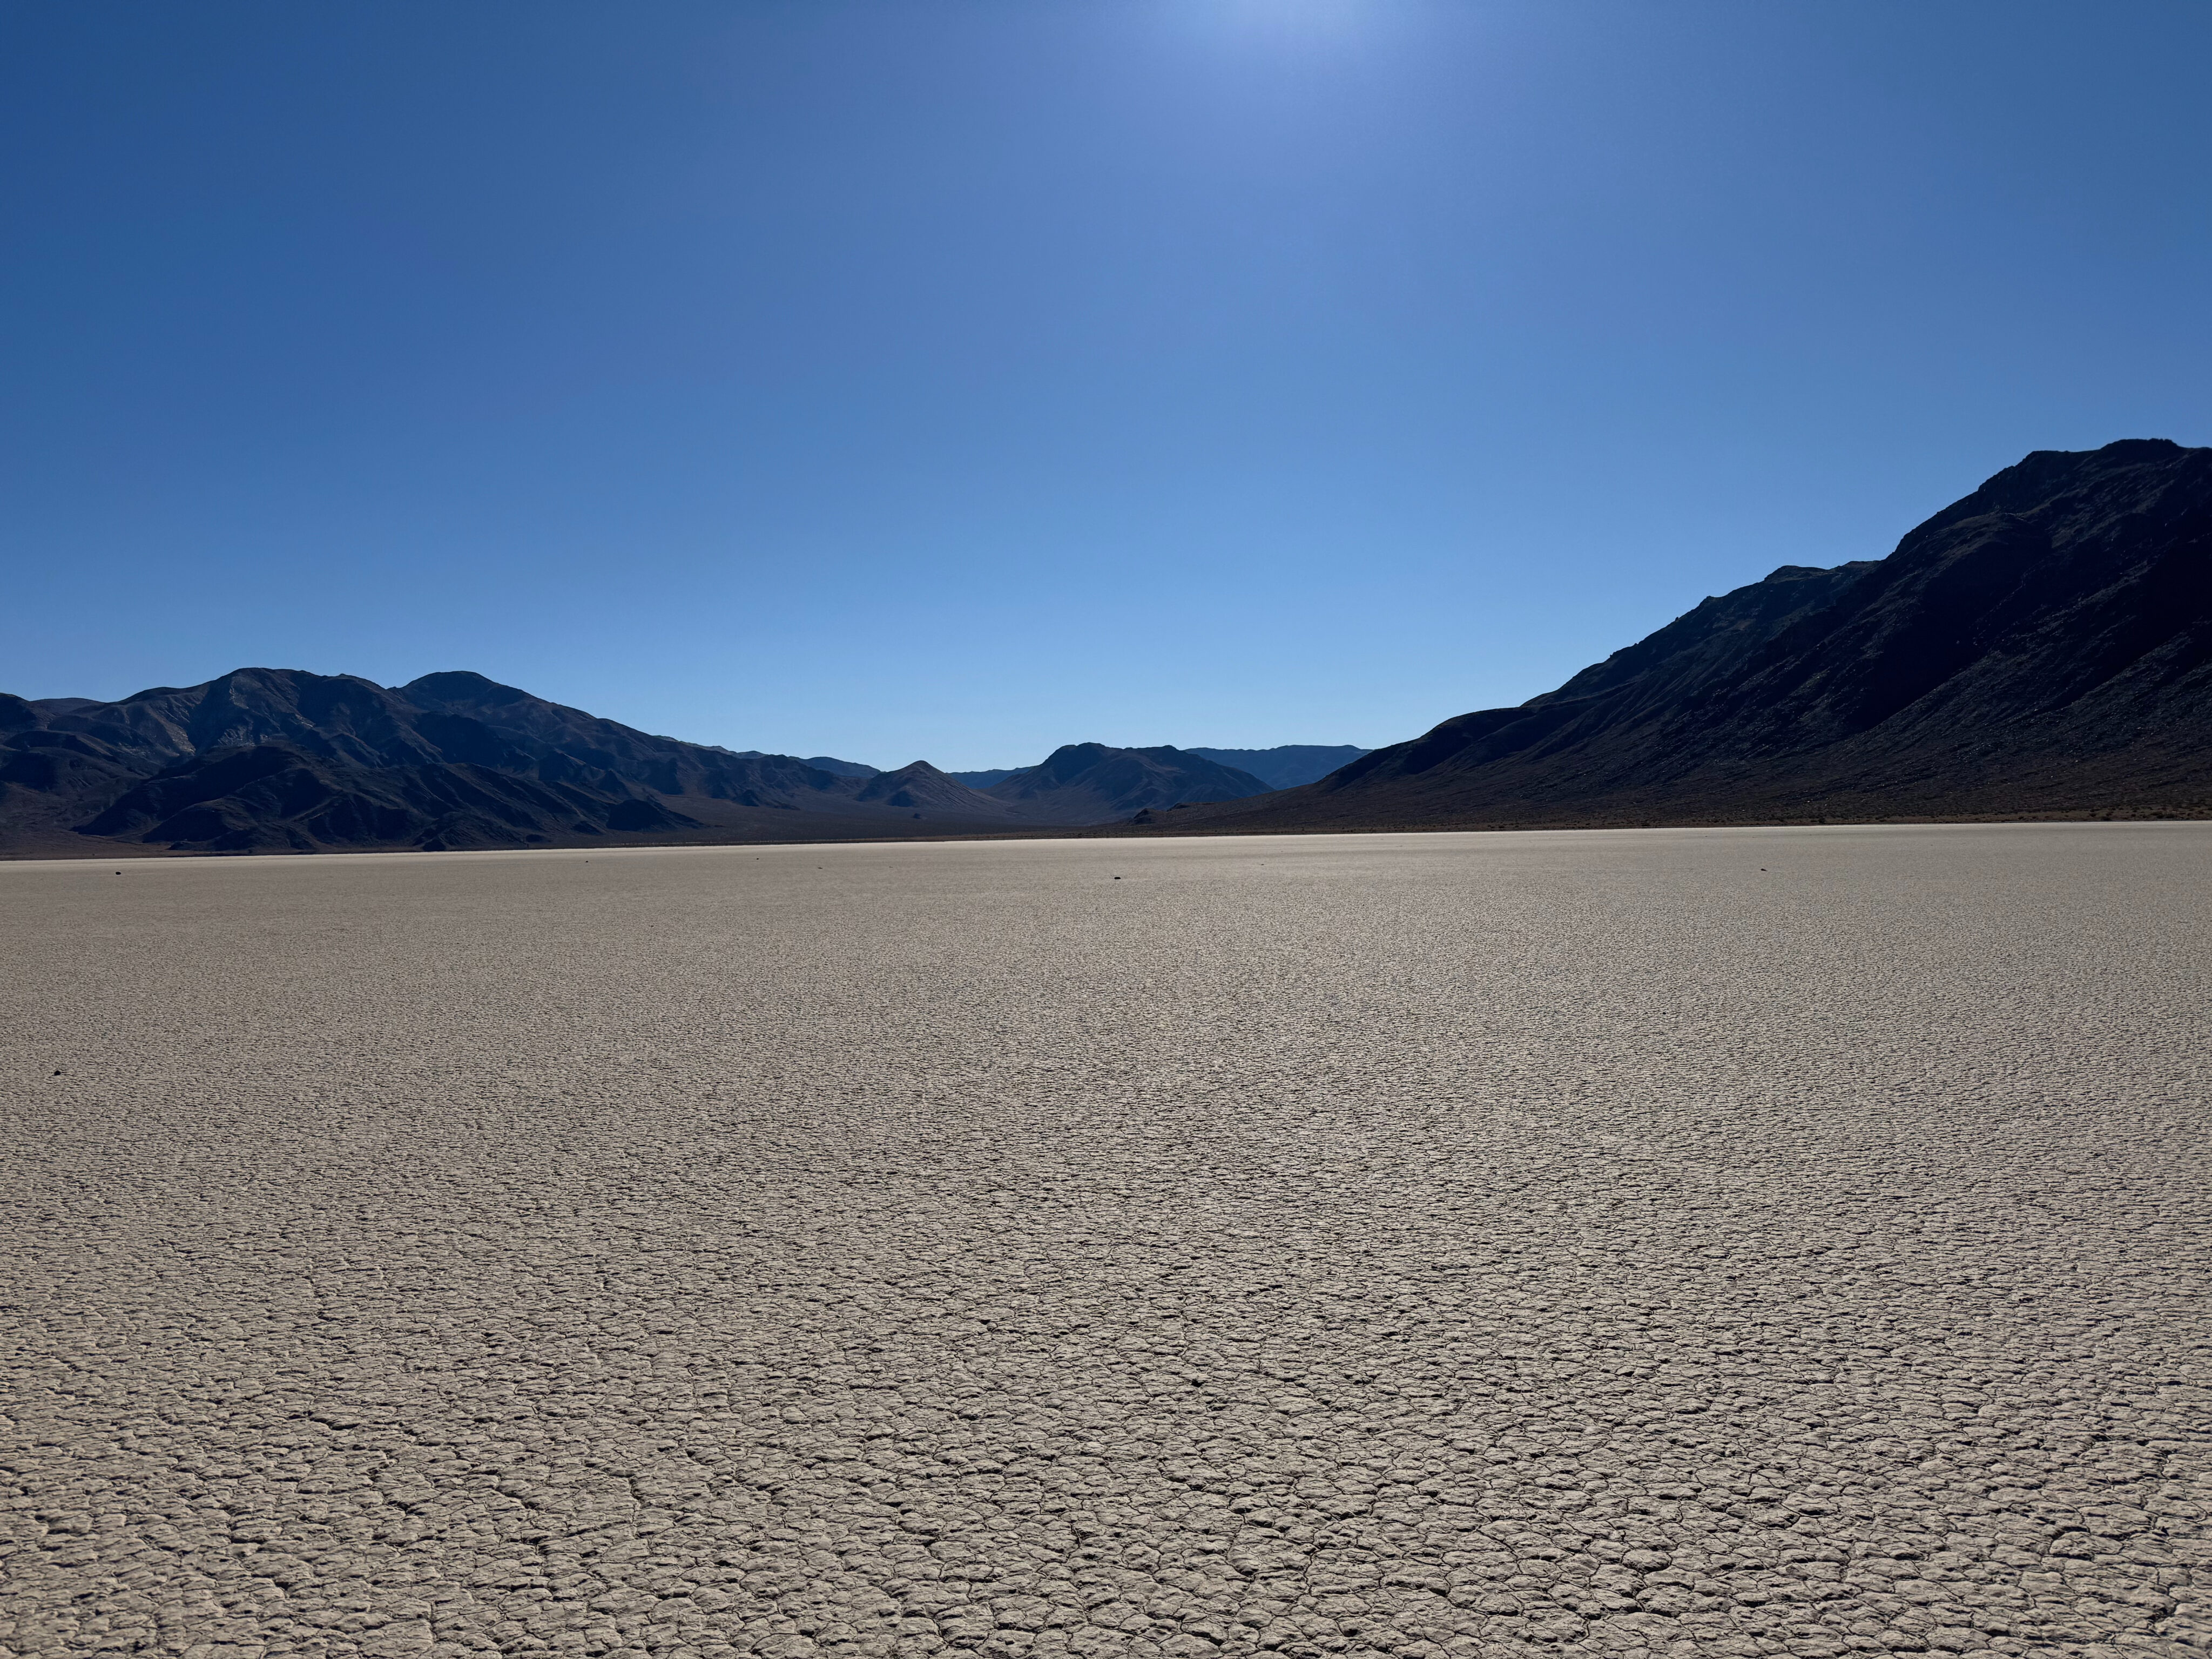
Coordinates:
[279,758]
[1092,783]
[2042,646]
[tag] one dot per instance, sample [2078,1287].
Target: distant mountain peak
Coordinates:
[460,685]
[1097,783]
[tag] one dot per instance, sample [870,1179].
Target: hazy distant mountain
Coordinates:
[1287,765]
[1280,768]
[1090,783]
[278,758]
[2042,646]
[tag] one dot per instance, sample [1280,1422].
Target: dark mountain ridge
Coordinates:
[2043,646]
[843,768]
[280,758]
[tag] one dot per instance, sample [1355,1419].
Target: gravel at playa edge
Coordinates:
[1699,1242]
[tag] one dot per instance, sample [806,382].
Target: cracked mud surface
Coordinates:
[1399,1245]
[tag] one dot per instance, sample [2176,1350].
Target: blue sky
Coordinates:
[950,379]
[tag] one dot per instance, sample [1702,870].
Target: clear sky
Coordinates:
[956,379]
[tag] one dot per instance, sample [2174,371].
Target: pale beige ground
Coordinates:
[1402,1245]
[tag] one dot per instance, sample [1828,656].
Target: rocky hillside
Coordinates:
[2043,646]
[281,759]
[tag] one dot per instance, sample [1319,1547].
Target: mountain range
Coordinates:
[2042,647]
[279,758]
[268,759]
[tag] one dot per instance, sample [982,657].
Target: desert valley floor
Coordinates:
[1701,1242]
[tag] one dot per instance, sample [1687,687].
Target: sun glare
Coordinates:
[1286,25]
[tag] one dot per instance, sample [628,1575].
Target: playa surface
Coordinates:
[1705,1242]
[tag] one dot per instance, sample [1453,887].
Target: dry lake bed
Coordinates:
[1700,1243]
